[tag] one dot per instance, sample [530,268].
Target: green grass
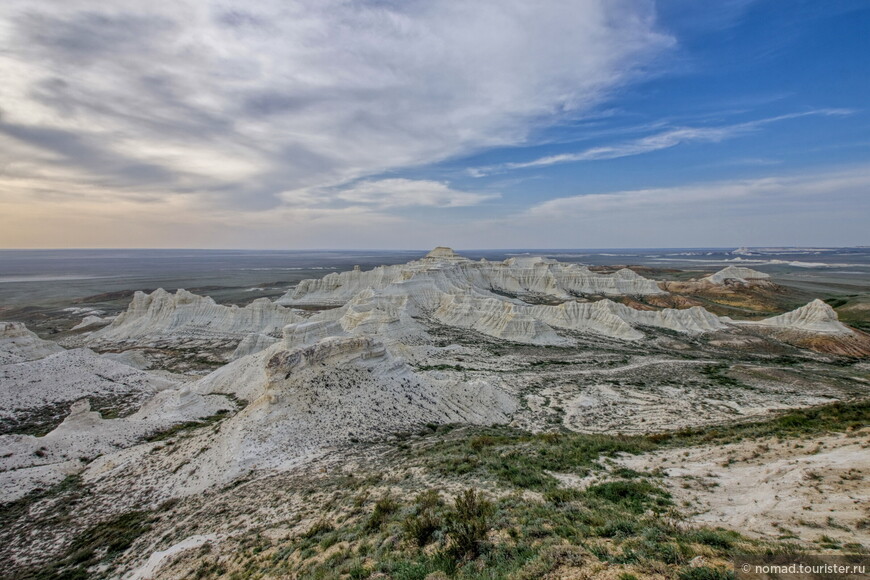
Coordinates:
[522,460]
[834,418]
[97,544]
[512,537]
[182,428]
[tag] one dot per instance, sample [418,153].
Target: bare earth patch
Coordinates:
[792,489]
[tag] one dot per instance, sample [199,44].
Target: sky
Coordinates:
[388,124]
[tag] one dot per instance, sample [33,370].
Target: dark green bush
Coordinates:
[426,519]
[468,524]
[384,508]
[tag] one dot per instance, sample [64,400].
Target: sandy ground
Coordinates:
[791,489]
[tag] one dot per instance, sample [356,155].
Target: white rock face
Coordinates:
[310,397]
[18,344]
[183,316]
[737,274]
[92,322]
[28,462]
[817,317]
[532,276]
[252,343]
[68,376]
[454,291]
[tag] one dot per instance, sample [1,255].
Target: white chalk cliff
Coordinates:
[183,316]
[451,290]
[19,344]
[737,274]
[816,317]
[525,276]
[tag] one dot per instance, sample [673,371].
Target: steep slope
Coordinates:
[185,318]
[18,344]
[303,400]
[738,275]
[524,277]
[816,317]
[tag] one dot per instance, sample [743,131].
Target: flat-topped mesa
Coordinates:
[18,344]
[520,276]
[739,275]
[184,315]
[816,317]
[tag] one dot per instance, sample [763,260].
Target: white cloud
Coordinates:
[662,140]
[390,193]
[234,103]
[786,193]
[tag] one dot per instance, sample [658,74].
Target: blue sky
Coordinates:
[378,124]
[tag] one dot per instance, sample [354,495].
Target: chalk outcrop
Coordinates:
[92,323]
[183,317]
[520,276]
[391,302]
[737,275]
[333,391]
[68,376]
[816,317]
[19,344]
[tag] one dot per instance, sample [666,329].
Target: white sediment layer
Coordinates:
[162,316]
[815,317]
[737,274]
[454,291]
[18,344]
[532,276]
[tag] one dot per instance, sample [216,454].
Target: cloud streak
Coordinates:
[782,194]
[665,139]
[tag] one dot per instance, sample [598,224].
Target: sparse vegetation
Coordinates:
[187,426]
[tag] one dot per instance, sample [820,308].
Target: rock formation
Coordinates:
[815,317]
[161,317]
[68,376]
[737,274]
[92,323]
[523,277]
[18,344]
[447,289]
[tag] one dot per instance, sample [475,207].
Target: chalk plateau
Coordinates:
[499,299]
[386,366]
